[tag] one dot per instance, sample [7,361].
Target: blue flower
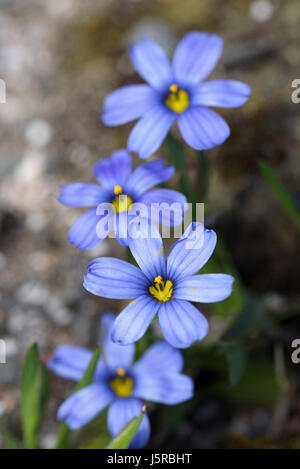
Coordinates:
[175,92]
[161,286]
[122,190]
[120,384]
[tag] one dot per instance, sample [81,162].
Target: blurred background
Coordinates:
[59,59]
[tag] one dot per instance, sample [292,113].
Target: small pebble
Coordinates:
[38,132]
[261,10]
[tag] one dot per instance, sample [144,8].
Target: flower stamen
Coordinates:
[118,190]
[161,290]
[121,372]
[178,100]
[122,385]
[122,203]
[173,88]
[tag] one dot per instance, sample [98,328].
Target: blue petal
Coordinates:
[150,131]
[84,231]
[121,412]
[113,278]
[165,388]
[85,404]
[160,358]
[128,103]
[115,355]
[82,194]
[181,323]
[114,170]
[151,63]
[186,256]
[147,249]
[221,93]
[195,57]
[148,175]
[132,323]
[202,128]
[165,206]
[207,288]
[70,361]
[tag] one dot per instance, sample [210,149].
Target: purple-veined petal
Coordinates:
[191,251]
[147,248]
[132,323]
[113,278]
[84,231]
[160,358]
[221,93]
[115,355]
[150,131]
[128,103]
[84,405]
[202,128]
[151,63]
[165,206]
[82,194]
[148,175]
[114,170]
[120,412]
[70,361]
[205,288]
[181,323]
[165,388]
[195,57]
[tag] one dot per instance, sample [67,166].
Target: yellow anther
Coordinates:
[192,288]
[118,190]
[121,372]
[122,386]
[158,279]
[178,101]
[173,88]
[132,302]
[162,291]
[159,252]
[122,203]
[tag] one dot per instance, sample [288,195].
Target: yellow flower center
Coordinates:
[177,100]
[122,203]
[118,190]
[122,385]
[161,290]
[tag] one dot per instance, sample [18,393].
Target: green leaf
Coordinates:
[126,435]
[236,357]
[99,441]
[257,384]
[64,431]
[89,372]
[250,317]
[34,394]
[280,192]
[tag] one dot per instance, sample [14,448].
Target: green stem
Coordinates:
[178,160]
[202,176]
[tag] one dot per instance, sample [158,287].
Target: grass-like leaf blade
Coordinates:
[34,395]
[126,435]
[281,193]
